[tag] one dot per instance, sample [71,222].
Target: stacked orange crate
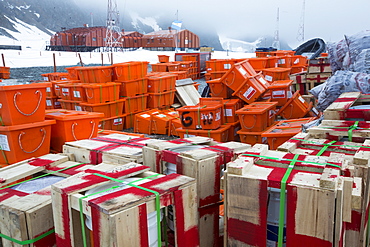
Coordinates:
[161,90]
[194,66]
[52,91]
[133,88]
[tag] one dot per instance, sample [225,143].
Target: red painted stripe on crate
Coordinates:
[48,241]
[70,171]
[96,226]
[158,161]
[65,240]
[143,226]
[40,162]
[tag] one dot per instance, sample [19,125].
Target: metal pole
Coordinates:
[55,65]
[2,56]
[79,56]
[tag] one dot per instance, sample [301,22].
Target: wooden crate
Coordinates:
[319,68]
[26,218]
[319,200]
[119,218]
[340,108]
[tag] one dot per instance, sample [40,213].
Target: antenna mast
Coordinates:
[276,43]
[113,33]
[300,35]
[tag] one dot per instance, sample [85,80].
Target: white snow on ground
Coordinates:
[33,54]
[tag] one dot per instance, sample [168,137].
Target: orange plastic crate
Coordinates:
[281,91]
[24,103]
[161,100]
[143,121]
[236,76]
[218,89]
[55,88]
[230,108]
[201,116]
[130,70]
[24,141]
[72,73]
[163,58]
[299,60]
[70,105]
[211,75]
[285,61]
[133,87]
[220,135]
[95,74]
[158,84]
[73,91]
[257,116]
[298,69]
[180,74]
[296,107]
[276,74]
[159,67]
[221,65]
[56,76]
[272,62]
[233,131]
[104,132]
[251,137]
[276,136]
[175,124]
[161,123]
[72,126]
[113,123]
[110,109]
[258,63]
[53,103]
[129,120]
[283,53]
[101,92]
[251,89]
[136,103]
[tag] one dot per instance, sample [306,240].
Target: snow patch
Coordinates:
[149,21]
[238,45]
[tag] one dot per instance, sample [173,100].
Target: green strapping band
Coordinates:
[311,142]
[353,127]
[30,241]
[157,204]
[4,155]
[282,200]
[303,161]
[1,121]
[325,147]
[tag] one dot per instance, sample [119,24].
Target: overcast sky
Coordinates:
[326,19]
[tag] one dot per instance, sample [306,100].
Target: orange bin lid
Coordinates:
[26,126]
[281,84]
[277,69]
[289,123]
[281,132]
[257,108]
[25,86]
[66,115]
[98,85]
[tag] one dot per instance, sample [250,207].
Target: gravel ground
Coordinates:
[33,74]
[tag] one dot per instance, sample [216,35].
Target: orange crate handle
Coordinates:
[119,70]
[217,94]
[87,94]
[20,141]
[254,124]
[104,71]
[37,107]
[91,134]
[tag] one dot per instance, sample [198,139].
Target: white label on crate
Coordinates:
[281,61]
[145,115]
[227,66]
[4,144]
[161,115]
[76,94]
[188,135]
[228,112]
[315,111]
[172,113]
[301,99]
[289,94]
[48,102]
[218,116]
[65,91]
[209,69]
[296,61]
[57,103]
[263,81]
[278,94]
[78,108]
[46,78]
[64,78]
[268,77]
[56,87]
[117,121]
[249,93]
[242,71]
[100,125]
[48,89]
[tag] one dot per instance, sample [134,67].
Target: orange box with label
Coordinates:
[238,74]
[258,63]
[252,88]
[130,70]
[158,84]
[160,100]
[251,137]
[23,103]
[230,108]
[219,64]
[133,87]
[276,74]
[72,72]
[296,107]
[56,76]
[143,121]
[70,105]
[24,141]
[257,116]
[136,103]
[113,123]
[95,74]
[110,109]
[180,74]
[218,89]
[56,89]
[281,91]
[72,126]
[285,61]
[201,116]
[161,123]
[73,91]
[101,92]
[220,135]
[53,103]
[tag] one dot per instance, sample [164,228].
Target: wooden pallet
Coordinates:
[340,108]
[186,92]
[27,216]
[320,202]
[120,218]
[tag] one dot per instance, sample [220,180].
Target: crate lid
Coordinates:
[26,126]
[24,86]
[64,115]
